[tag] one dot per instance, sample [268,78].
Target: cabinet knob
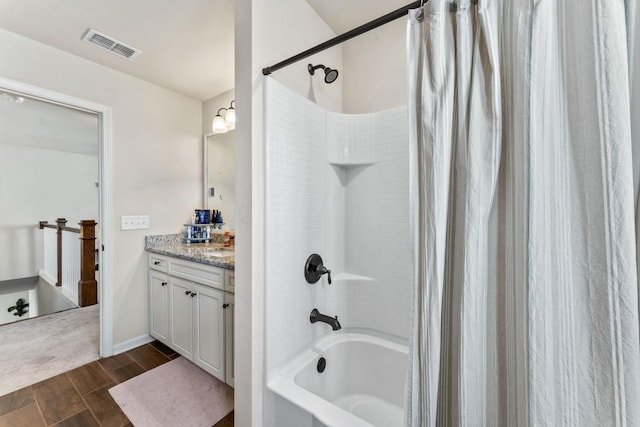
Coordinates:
[164,283]
[156,262]
[225,305]
[193,294]
[187,292]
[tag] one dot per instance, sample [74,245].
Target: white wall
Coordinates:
[40,185]
[156,157]
[375,69]
[297,222]
[267,31]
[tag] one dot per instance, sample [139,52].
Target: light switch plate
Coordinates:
[134,222]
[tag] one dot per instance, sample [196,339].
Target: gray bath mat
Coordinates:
[177,393]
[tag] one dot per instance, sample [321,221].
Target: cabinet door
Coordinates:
[229,312]
[159,306]
[209,331]
[181,316]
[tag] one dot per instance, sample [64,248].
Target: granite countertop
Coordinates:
[173,246]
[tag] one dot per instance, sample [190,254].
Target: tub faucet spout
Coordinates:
[315,316]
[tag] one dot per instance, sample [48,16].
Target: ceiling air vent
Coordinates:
[109,43]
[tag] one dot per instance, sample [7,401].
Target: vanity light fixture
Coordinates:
[218,125]
[230,116]
[222,124]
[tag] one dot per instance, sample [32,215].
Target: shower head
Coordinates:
[330,75]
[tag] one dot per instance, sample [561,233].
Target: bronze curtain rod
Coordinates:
[391,16]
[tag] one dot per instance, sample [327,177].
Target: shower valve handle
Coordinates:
[314,269]
[324,270]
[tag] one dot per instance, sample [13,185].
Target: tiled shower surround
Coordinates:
[337,185]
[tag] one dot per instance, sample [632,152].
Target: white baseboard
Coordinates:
[132,343]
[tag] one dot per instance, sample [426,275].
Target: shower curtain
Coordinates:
[522,199]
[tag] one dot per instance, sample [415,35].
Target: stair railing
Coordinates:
[75,260]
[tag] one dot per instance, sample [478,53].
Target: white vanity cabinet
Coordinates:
[181,316]
[159,298]
[191,312]
[210,331]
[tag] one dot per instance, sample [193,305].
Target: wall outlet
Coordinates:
[134,222]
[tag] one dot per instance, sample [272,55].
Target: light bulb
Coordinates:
[230,117]
[218,125]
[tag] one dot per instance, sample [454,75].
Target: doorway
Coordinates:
[49,164]
[103,114]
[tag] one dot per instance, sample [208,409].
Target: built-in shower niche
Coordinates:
[348,164]
[346,173]
[368,153]
[349,222]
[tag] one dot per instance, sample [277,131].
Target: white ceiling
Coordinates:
[345,15]
[187,45]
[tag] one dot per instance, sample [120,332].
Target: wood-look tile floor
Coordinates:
[80,398]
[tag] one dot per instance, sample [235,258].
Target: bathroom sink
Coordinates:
[218,252]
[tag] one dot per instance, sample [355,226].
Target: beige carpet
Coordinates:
[177,393]
[40,348]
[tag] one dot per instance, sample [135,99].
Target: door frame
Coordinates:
[105,273]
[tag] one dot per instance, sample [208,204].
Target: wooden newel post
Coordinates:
[61,222]
[87,286]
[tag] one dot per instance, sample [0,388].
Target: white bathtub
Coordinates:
[363,383]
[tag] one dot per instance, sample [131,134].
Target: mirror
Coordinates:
[219,175]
